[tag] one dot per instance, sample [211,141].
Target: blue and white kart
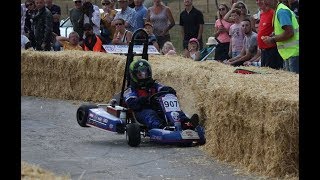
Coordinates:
[122,120]
[115,117]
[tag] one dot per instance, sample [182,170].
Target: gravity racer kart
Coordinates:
[116,117]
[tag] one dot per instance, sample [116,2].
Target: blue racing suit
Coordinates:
[136,99]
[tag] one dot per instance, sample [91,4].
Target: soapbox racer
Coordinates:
[116,117]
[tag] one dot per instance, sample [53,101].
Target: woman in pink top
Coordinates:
[222,34]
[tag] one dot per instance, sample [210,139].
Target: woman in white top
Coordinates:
[121,35]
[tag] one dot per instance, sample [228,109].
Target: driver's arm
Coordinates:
[133,101]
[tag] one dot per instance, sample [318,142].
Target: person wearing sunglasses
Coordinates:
[222,28]
[122,36]
[242,7]
[30,13]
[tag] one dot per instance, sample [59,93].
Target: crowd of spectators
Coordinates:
[268,38]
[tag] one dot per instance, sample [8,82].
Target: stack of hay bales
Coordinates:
[31,171]
[251,120]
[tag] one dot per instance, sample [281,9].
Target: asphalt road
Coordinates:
[52,139]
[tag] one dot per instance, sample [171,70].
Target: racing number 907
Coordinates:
[170,104]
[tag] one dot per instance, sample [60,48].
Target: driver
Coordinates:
[142,86]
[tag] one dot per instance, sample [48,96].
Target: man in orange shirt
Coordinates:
[92,42]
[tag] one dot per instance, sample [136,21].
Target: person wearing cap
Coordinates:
[92,42]
[191,22]
[127,14]
[91,16]
[148,27]
[193,50]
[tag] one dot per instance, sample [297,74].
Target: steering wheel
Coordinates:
[154,99]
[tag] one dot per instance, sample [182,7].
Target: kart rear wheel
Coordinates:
[202,141]
[133,135]
[83,112]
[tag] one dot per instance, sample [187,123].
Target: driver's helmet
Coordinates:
[140,72]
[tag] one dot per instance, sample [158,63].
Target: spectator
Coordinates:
[236,33]
[30,13]
[286,35]
[212,42]
[107,16]
[270,56]
[141,13]
[142,86]
[92,42]
[255,60]
[152,38]
[250,46]
[245,14]
[70,43]
[127,14]
[25,43]
[293,5]
[23,17]
[121,35]
[42,25]
[91,16]
[76,18]
[161,18]
[168,49]
[191,22]
[56,13]
[193,50]
[131,4]
[222,28]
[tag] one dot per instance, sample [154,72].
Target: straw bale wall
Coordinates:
[251,120]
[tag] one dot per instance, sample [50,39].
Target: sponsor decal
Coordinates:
[175,115]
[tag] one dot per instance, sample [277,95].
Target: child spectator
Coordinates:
[236,33]
[71,43]
[152,38]
[193,50]
[168,49]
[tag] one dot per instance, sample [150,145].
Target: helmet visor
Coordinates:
[142,73]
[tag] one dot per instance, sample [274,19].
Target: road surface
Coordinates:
[52,139]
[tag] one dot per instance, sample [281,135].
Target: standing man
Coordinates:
[286,35]
[141,13]
[191,22]
[270,56]
[56,13]
[76,19]
[42,27]
[127,14]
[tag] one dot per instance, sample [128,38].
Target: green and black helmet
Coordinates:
[140,72]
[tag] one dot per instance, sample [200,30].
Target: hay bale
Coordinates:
[31,171]
[250,120]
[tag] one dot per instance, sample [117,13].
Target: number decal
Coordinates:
[170,103]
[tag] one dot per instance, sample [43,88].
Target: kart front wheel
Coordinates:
[133,135]
[83,112]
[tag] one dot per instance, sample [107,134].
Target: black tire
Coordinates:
[202,141]
[83,112]
[133,135]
